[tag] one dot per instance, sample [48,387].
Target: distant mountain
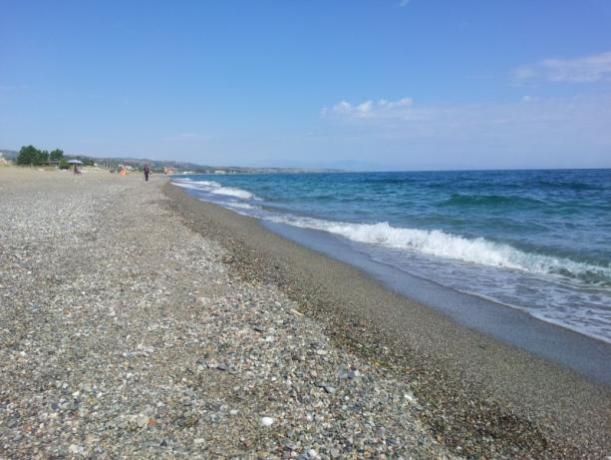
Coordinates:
[178,166]
[114,162]
[336,166]
[182,166]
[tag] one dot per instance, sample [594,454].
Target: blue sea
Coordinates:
[537,241]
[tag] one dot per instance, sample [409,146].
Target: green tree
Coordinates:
[42,157]
[56,155]
[28,155]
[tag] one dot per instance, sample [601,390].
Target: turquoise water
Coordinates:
[539,241]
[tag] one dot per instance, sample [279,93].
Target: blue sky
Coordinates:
[366,84]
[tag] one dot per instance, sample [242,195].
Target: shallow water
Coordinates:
[538,241]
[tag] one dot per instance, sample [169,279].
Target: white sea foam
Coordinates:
[196,184]
[440,244]
[206,183]
[239,205]
[235,192]
[186,185]
[214,188]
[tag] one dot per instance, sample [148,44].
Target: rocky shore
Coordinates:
[124,334]
[137,322]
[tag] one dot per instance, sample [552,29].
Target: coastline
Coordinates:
[142,326]
[588,356]
[473,386]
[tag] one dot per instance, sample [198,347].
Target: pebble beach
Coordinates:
[124,335]
[137,322]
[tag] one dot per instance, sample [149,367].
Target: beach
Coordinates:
[474,389]
[139,322]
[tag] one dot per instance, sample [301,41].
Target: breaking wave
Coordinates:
[214,188]
[440,244]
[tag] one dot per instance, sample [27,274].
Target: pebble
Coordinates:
[74,449]
[267,421]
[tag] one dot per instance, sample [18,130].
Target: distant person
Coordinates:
[147,171]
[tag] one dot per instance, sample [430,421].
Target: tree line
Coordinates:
[30,155]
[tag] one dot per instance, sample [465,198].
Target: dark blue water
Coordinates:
[539,241]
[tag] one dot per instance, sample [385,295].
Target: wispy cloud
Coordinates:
[404,3]
[587,69]
[371,109]
[550,120]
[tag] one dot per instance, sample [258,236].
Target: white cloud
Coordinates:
[404,3]
[580,122]
[381,109]
[529,132]
[587,69]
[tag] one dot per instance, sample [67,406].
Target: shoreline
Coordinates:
[473,386]
[584,354]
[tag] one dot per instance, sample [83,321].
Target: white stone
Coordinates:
[267,421]
[74,449]
[141,420]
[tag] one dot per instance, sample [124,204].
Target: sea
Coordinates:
[538,241]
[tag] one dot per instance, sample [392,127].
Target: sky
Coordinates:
[359,84]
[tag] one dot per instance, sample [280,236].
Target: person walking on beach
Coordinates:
[147,171]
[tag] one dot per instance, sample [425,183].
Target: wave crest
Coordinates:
[235,192]
[214,188]
[479,250]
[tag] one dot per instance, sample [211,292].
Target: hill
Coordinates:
[178,166]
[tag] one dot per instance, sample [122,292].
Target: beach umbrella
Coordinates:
[75,162]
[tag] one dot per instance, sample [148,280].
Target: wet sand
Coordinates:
[480,396]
